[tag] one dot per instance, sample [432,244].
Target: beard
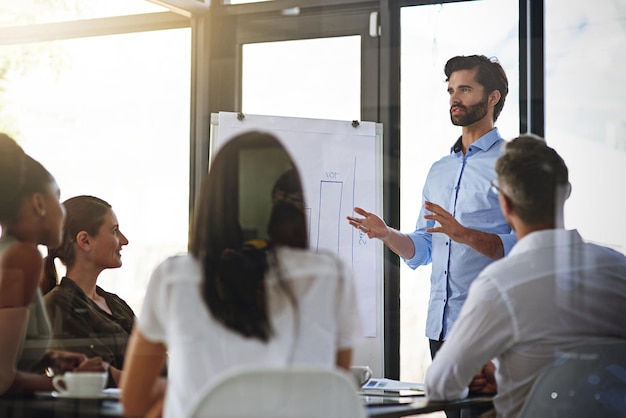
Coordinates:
[472,113]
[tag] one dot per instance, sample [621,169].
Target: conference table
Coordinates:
[46,406]
[420,405]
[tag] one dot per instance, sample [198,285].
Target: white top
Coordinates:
[200,348]
[550,294]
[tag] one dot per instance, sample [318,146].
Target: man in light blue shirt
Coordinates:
[460,228]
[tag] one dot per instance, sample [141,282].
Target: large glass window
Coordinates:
[109,116]
[585,123]
[430,36]
[28,12]
[313,78]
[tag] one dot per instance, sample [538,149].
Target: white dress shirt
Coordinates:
[550,294]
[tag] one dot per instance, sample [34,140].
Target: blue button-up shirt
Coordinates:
[461,185]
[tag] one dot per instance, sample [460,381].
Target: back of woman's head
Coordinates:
[217,224]
[234,270]
[83,213]
[20,177]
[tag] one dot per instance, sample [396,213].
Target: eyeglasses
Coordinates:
[494,186]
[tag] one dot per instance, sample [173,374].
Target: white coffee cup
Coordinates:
[361,374]
[80,384]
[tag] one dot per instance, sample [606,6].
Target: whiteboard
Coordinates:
[340,164]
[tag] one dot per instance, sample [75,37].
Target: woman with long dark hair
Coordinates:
[249,293]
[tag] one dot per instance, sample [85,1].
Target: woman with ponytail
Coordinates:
[84,317]
[30,215]
[249,293]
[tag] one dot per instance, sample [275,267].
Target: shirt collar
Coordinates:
[545,239]
[484,142]
[67,282]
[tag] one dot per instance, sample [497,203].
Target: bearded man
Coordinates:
[460,228]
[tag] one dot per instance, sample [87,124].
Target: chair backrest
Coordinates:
[280,393]
[589,381]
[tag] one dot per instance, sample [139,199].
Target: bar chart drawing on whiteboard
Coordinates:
[328,235]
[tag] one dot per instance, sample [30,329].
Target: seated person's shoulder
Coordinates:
[20,271]
[21,255]
[57,296]
[306,261]
[178,268]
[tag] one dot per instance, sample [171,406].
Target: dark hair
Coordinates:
[534,178]
[234,271]
[20,177]
[489,74]
[287,225]
[83,213]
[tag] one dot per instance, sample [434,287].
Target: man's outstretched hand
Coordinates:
[370,224]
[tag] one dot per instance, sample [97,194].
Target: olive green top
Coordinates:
[80,325]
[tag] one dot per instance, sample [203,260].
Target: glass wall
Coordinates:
[98,111]
[28,12]
[585,123]
[430,35]
[109,116]
[312,78]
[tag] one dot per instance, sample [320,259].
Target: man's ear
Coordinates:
[83,240]
[508,211]
[505,206]
[494,97]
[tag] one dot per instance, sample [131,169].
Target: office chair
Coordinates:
[587,382]
[279,393]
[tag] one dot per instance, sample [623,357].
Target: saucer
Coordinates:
[102,395]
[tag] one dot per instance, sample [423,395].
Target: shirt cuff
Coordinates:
[508,241]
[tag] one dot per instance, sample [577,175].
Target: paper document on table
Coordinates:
[392,386]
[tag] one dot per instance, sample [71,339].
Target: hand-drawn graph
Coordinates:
[328,235]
